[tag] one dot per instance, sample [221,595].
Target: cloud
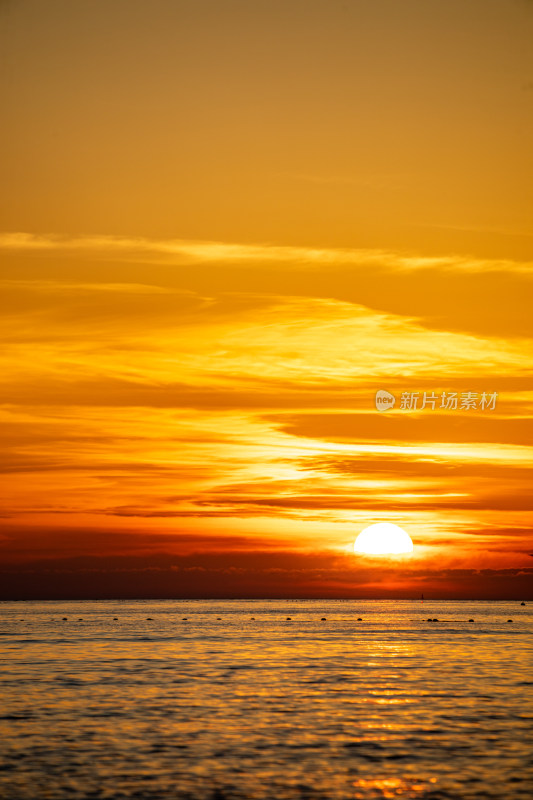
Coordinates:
[182,251]
[206,389]
[252,574]
[72,288]
[184,338]
[295,505]
[337,426]
[441,293]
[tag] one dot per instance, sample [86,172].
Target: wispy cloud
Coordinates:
[73,287]
[181,251]
[207,389]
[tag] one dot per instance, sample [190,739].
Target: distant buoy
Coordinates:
[434,619]
[219,617]
[184,619]
[470,620]
[115,617]
[323,619]
[65,619]
[359,619]
[509,620]
[288,618]
[252,617]
[522,604]
[149,619]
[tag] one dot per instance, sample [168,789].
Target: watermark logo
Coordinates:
[448,401]
[384,400]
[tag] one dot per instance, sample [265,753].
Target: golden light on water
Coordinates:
[389,787]
[383,538]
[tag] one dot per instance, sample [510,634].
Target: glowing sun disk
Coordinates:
[383,538]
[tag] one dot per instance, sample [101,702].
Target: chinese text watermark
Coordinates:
[448,401]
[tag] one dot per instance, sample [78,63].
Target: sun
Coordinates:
[383,538]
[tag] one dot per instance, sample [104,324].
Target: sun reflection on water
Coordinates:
[239,710]
[367,788]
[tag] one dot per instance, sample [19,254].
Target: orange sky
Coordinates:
[226,225]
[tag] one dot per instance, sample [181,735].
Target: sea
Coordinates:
[265,700]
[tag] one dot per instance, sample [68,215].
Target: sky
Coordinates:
[225,226]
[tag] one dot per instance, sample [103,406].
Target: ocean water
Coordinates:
[220,706]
